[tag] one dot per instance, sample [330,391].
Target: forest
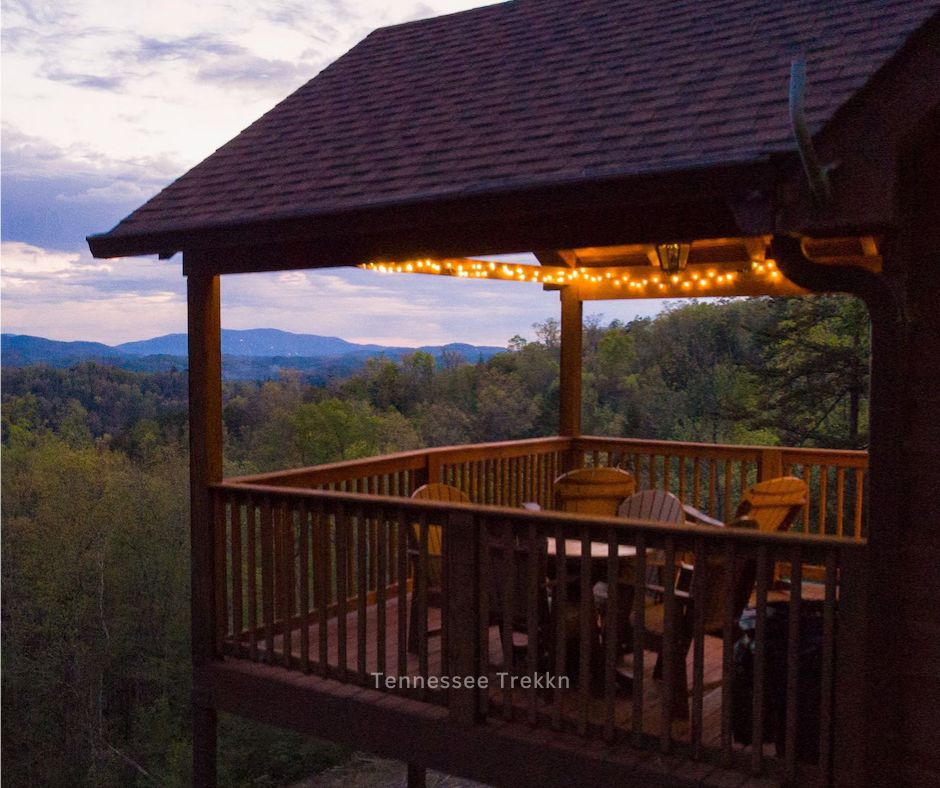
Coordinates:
[95,565]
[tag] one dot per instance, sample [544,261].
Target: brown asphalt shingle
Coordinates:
[532,92]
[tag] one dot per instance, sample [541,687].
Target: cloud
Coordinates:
[92,81]
[69,295]
[99,116]
[53,197]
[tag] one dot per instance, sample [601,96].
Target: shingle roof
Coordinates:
[534,92]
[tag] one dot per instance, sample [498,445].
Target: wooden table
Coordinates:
[599,550]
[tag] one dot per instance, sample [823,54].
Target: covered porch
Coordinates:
[646,176]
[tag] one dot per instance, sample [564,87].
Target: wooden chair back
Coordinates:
[593,490]
[653,505]
[773,503]
[434,492]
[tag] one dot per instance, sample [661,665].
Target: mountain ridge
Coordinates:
[251,353]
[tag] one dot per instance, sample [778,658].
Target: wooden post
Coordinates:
[205,468]
[771,464]
[569,410]
[461,545]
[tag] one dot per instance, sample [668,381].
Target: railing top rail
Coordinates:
[405,460]
[850,456]
[416,459]
[549,517]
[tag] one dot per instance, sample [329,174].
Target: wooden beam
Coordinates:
[561,258]
[569,409]
[604,291]
[205,468]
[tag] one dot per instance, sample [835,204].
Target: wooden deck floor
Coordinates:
[362,665]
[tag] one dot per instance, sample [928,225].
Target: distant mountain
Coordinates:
[254,354]
[255,342]
[21,349]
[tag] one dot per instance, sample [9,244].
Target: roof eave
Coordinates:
[676,204]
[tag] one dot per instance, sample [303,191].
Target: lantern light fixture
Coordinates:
[673,257]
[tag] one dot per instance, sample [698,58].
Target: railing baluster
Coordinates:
[699,585]
[252,579]
[667,472]
[612,638]
[669,655]
[760,651]
[639,635]
[341,532]
[373,539]
[304,588]
[682,472]
[793,662]
[533,584]
[728,493]
[727,651]
[485,579]
[321,566]
[823,488]
[541,466]
[220,570]
[362,591]
[507,550]
[586,621]
[445,591]
[381,587]
[840,500]
[696,483]
[712,487]
[808,478]
[286,577]
[267,578]
[422,592]
[237,569]
[559,602]
[402,606]
[859,496]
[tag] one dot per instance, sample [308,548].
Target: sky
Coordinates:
[105,102]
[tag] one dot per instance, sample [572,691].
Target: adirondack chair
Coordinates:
[772,504]
[652,505]
[429,492]
[713,600]
[593,490]
[647,505]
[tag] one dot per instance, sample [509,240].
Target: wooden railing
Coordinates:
[321,581]
[711,477]
[496,474]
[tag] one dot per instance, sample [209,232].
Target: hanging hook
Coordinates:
[816,173]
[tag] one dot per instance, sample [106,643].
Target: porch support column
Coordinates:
[205,468]
[569,409]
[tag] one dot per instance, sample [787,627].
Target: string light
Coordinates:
[681,282]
